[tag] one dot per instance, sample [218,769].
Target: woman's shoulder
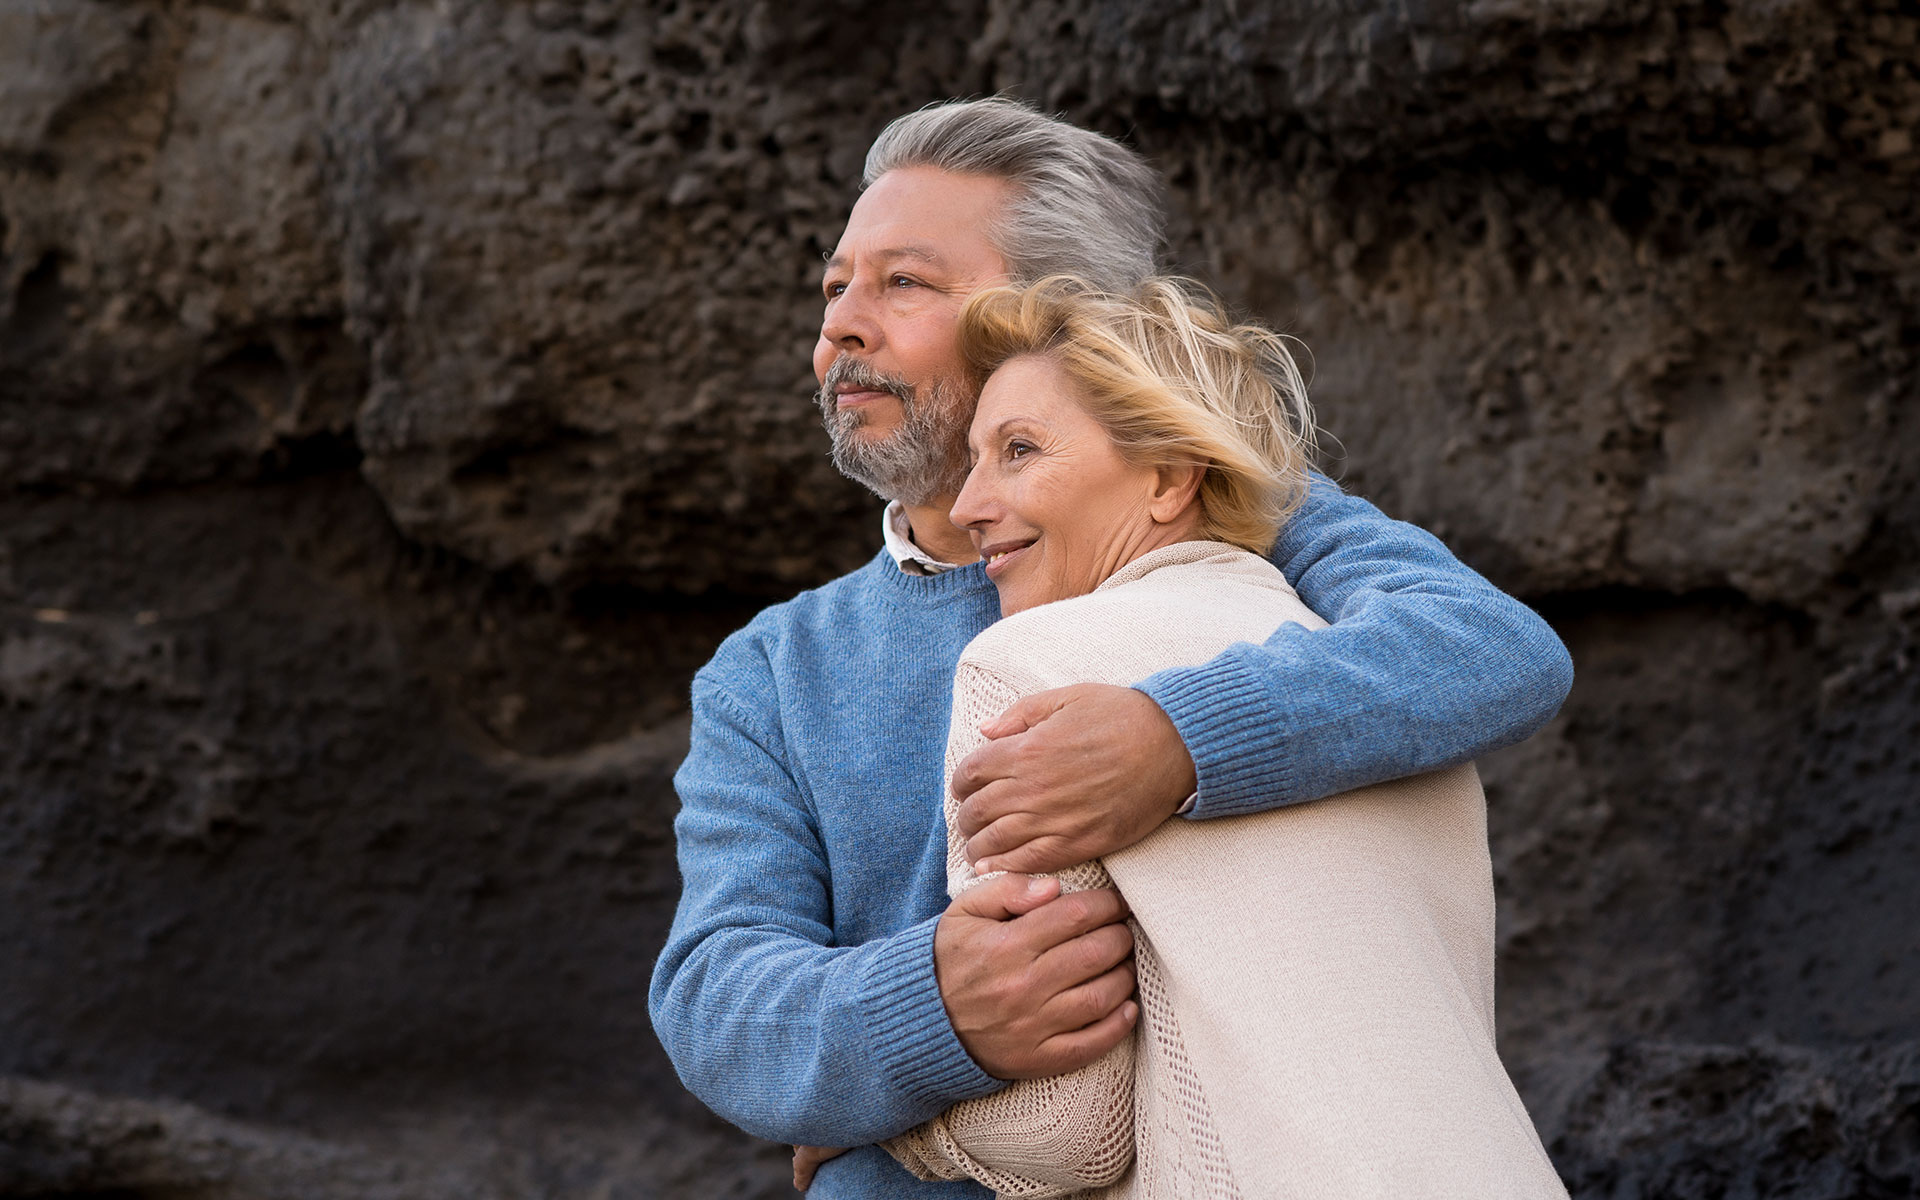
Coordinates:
[1177,606]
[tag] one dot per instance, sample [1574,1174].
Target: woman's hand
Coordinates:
[807,1160]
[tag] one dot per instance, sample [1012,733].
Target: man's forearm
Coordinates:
[1425,665]
[812,1045]
[772,1025]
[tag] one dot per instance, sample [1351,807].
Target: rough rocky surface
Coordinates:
[399,400]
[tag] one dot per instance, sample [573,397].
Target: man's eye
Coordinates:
[833,289]
[903,281]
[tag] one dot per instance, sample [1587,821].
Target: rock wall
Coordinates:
[398,400]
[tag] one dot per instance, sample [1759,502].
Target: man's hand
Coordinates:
[1070,775]
[1035,983]
[807,1160]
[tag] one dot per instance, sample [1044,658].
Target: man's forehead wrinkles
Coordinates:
[919,253]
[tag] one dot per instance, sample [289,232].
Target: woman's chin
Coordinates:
[1014,600]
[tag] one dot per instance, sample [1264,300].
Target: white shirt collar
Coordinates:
[898,535]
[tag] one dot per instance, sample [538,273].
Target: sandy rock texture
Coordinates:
[398,401]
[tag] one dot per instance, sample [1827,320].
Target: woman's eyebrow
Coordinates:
[992,435]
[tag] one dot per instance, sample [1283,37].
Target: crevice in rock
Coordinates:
[254,372]
[293,459]
[1621,601]
[37,317]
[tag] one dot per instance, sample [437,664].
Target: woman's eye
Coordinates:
[902,281]
[1019,449]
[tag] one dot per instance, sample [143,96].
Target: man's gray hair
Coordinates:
[1085,205]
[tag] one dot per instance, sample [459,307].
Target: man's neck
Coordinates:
[937,535]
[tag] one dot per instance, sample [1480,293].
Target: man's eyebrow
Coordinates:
[918,253]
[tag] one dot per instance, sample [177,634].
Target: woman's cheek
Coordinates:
[1051,492]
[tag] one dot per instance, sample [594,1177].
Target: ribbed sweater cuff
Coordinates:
[1223,715]
[908,1028]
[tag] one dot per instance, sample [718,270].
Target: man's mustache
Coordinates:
[847,369]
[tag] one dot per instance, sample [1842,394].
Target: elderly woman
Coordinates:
[1315,983]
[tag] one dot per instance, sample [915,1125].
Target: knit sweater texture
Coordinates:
[1316,982]
[796,993]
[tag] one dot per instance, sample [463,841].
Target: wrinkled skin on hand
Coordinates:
[1069,775]
[1034,982]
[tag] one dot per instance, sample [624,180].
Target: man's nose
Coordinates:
[851,322]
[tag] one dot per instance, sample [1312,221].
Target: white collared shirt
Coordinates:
[898,535]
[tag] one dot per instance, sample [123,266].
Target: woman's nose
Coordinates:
[974,505]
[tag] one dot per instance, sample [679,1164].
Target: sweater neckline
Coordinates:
[1178,554]
[957,581]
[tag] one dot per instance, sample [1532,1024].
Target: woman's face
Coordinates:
[1050,503]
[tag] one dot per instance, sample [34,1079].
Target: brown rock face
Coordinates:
[399,400]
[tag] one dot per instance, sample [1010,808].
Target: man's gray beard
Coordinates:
[923,460]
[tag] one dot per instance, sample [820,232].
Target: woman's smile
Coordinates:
[1002,556]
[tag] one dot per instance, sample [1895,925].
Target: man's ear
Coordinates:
[1174,489]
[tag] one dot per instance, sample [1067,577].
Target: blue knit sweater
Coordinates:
[796,994]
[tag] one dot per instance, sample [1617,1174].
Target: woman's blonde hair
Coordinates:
[1172,379]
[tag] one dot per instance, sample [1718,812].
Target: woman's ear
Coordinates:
[1175,491]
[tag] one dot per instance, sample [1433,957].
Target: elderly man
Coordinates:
[818,987]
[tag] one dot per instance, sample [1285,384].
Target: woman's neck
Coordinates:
[1158,536]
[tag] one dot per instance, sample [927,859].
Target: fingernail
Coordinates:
[1131,1010]
[1036,886]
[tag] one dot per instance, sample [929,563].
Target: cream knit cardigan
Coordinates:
[1316,982]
